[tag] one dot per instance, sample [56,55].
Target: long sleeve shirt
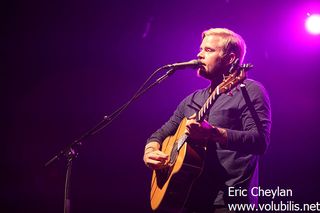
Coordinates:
[236,164]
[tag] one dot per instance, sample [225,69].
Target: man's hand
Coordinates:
[153,157]
[204,132]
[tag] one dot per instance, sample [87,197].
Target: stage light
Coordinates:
[313,24]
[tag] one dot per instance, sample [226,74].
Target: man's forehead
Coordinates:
[212,40]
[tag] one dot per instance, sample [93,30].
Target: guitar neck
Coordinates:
[228,83]
[207,105]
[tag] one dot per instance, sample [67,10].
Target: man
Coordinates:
[236,130]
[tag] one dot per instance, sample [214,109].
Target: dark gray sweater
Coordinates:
[235,165]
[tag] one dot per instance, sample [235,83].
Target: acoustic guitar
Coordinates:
[171,186]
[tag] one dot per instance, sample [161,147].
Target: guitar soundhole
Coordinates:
[174,154]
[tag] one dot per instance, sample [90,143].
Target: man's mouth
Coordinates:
[203,67]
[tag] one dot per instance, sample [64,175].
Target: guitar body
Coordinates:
[171,186]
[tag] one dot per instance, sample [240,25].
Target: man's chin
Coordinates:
[202,73]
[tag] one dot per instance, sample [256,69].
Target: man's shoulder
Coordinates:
[253,84]
[255,88]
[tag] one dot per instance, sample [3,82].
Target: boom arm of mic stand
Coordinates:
[107,119]
[106,122]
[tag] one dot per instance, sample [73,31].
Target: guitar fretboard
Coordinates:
[207,105]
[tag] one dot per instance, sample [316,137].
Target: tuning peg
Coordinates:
[246,66]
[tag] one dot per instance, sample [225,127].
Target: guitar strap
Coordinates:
[251,108]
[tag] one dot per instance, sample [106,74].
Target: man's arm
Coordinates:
[153,157]
[254,138]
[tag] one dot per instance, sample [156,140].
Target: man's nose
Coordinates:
[200,55]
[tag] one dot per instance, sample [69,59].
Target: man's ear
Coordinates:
[231,58]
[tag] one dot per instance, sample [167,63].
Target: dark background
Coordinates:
[69,63]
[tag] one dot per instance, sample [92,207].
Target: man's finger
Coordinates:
[158,157]
[192,116]
[153,162]
[161,154]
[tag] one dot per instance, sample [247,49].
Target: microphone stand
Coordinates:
[70,151]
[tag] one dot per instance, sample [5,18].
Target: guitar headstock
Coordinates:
[236,76]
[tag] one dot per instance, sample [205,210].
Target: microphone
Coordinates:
[184,65]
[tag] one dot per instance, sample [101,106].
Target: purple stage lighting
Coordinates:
[313,24]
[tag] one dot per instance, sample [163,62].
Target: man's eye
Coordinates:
[209,50]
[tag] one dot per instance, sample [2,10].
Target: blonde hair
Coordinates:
[231,41]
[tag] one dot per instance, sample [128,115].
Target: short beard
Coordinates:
[215,75]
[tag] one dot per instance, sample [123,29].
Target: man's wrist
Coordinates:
[219,135]
[149,149]
[223,136]
[152,146]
